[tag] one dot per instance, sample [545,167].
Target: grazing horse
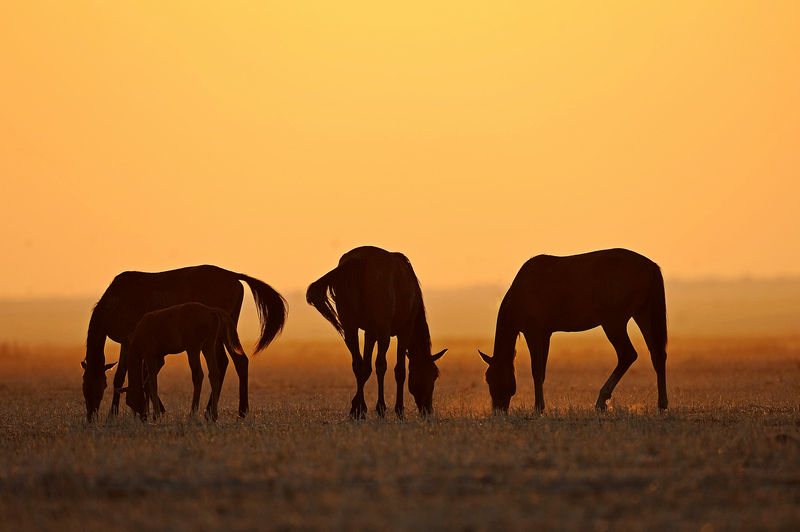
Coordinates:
[133,294]
[377,291]
[190,327]
[577,293]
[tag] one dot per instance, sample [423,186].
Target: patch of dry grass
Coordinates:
[725,457]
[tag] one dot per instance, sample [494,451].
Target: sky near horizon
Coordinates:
[270,138]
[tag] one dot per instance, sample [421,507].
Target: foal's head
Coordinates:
[501,380]
[422,375]
[94,384]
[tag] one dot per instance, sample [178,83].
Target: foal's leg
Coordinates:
[152,364]
[358,409]
[197,377]
[537,344]
[119,377]
[617,334]
[380,369]
[658,354]
[222,365]
[209,352]
[400,373]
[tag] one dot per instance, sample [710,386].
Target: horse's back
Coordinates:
[132,294]
[387,287]
[579,292]
[174,329]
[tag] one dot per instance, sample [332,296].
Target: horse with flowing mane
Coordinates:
[577,293]
[190,327]
[377,291]
[131,295]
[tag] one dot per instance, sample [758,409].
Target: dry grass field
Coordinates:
[726,456]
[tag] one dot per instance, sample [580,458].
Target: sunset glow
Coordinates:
[270,139]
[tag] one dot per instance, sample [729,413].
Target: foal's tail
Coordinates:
[230,338]
[272,310]
[332,288]
[658,309]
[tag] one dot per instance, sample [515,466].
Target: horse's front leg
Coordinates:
[119,378]
[400,374]
[380,369]
[358,409]
[537,345]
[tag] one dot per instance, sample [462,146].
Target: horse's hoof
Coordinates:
[601,406]
[381,410]
[400,411]
[358,412]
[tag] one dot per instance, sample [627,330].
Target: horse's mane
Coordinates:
[96,336]
[421,335]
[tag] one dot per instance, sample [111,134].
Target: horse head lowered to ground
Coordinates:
[131,295]
[377,291]
[603,288]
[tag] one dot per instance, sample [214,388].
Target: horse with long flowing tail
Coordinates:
[603,288]
[131,295]
[377,291]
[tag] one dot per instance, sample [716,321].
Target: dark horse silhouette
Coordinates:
[190,327]
[577,293]
[377,291]
[133,294]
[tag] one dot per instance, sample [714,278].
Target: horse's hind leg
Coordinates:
[617,334]
[358,409]
[242,364]
[197,378]
[658,354]
[380,369]
[209,352]
[222,365]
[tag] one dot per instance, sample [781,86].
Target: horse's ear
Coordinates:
[109,366]
[438,355]
[83,364]
[121,390]
[486,358]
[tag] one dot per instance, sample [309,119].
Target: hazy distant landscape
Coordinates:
[695,308]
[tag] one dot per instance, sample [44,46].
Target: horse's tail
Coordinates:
[658,309]
[272,310]
[230,337]
[341,282]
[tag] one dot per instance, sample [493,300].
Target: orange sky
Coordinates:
[471,136]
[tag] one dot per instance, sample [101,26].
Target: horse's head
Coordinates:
[501,380]
[94,384]
[422,375]
[135,398]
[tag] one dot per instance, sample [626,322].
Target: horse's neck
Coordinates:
[505,338]
[420,341]
[96,337]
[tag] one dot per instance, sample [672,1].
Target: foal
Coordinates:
[190,327]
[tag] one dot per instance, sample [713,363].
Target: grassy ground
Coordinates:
[726,456]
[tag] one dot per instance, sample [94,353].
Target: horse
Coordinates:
[377,291]
[603,288]
[133,294]
[190,327]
